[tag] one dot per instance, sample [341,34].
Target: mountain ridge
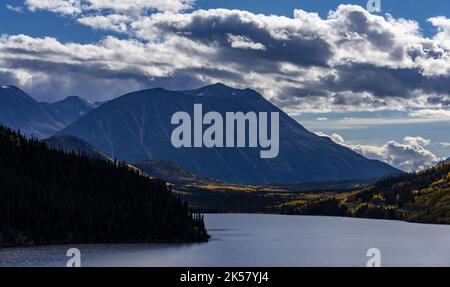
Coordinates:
[20,111]
[136,127]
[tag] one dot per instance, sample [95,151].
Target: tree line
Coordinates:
[48,196]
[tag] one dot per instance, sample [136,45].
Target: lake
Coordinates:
[266,240]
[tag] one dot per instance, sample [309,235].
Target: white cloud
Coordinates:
[409,155]
[114,22]
[445,144]
[241,42]
[65,7]
[350,60]
[134,7]
[17,9]
[139,6]
[431,113]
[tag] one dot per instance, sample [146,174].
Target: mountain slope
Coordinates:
[419,197]
[137,127]
[171,172]
[19,111]
[49,197]
[70,144]
[70,109]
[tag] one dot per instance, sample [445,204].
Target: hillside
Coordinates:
[48,197]
[418,197]
[71,144]
[421,197]
[171,172]
[137,127]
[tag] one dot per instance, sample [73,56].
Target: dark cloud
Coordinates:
[300,47]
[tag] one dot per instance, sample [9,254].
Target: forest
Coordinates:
[419,197]
[48,196]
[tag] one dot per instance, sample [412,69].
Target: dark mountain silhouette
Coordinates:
[70,144]
[137,127]
[20,111]
[48,196]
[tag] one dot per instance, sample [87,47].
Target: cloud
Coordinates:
[115,22]
[431,113]
[409,155]
[444,144]
[350,60]
[135,7]
[112,67]
[66,7]
[241,42]
[17,9]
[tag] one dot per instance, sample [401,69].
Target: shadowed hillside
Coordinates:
[48,196]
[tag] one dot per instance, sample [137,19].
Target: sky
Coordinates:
[377,82]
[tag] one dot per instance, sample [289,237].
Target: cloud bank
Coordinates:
[409,155]
[349,61]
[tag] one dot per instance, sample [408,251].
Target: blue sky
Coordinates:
[43,23]
[406,94]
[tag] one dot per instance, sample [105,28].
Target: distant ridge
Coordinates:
[20,111]
[70,109]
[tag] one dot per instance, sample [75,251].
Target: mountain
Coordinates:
[51,197]
[171,172]
[70,144]
[137,127]
[70,109]
[20,111]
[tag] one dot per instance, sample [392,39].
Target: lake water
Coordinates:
[266,240]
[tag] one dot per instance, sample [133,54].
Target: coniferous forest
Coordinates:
[48,196]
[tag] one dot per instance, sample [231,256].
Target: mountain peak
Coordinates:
[9,87]
[14,91]
[222,90]
[75,100]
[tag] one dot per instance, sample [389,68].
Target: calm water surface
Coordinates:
[266,240]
